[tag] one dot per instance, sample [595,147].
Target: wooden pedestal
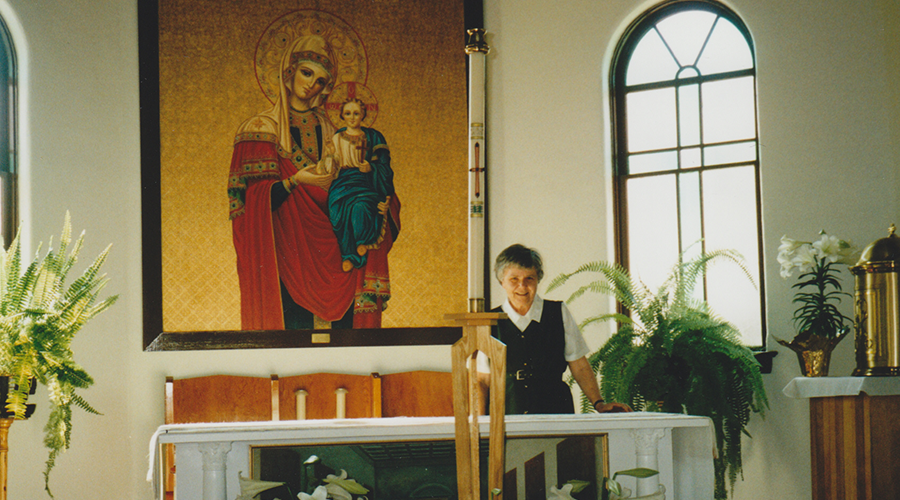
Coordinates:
[855,447]
[4,451]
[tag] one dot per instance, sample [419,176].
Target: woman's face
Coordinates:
[309,80]
[352,114]
[520,285]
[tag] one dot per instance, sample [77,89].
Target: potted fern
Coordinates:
[671,353]
[39,316]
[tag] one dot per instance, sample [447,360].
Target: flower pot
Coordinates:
[813,352]
[4,391]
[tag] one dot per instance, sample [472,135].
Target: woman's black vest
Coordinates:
[535,363]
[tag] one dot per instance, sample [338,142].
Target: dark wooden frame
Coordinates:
[9,170]
[154,338]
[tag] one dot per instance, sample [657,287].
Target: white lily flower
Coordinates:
[320,493]
[336,492]
[787,267]
[847,252]
[827,247]
[834,249]
[788,255]
[788,245]
[804,258]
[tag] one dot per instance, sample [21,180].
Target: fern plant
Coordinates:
[671,353]
[39,316]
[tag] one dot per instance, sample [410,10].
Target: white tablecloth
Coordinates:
[819,387]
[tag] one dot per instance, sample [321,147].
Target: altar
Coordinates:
[211,457]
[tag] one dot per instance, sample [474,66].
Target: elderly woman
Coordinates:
[542,340]
[288,259]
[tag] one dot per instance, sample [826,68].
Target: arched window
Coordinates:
[8,153]
[687,152]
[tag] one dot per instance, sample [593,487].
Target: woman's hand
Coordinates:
[309,177]
[365,167]
[604,407]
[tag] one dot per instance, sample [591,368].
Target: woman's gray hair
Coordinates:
[519,256]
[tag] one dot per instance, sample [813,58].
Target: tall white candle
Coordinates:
[300,396]
[341,397]
[477,49]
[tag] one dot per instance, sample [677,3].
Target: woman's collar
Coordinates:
[522,320]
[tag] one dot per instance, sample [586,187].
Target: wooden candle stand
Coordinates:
[467,404]
[4,453]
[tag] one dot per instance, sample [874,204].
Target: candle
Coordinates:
[476,49]
[341,410]
[300,396]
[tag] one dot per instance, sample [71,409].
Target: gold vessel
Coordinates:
[878,308]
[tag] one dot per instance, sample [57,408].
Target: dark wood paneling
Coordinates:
[535,483]
[576,459]
[510,485]
[854,443]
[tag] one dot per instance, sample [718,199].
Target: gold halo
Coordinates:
[349,90]
[350,59]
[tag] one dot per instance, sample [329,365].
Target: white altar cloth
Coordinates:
[822,387]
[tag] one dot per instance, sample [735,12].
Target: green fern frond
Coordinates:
[89,276]
[48,466]
[9,275]
[17,396]
[65,237]
[84,405]
[616,282]
[20,296]
[619,318]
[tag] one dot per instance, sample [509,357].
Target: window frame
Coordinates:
[625,48]
[9,192]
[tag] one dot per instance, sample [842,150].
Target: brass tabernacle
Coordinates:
[878,308]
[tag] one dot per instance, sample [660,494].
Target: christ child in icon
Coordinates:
[358,199]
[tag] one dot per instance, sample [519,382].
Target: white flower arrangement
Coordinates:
[817,312]
[804,255]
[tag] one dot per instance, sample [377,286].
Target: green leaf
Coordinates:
[614,487]
[578,485]
[348,484]
[640,472]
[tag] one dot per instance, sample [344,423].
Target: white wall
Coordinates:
[830,128]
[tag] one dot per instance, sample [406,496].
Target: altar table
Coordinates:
[210,457]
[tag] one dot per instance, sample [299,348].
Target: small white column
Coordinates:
[214,470]
[646,449]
